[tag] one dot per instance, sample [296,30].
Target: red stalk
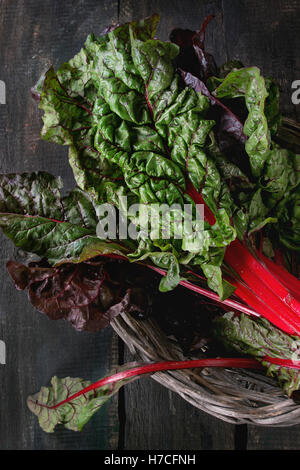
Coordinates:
[201,34]
[265,292]
[161,366]
[264,284]
[270,291]
[209,294]
[38,217]
[283,362]
[261,307]
[232,304]
[240,257]
[290,281]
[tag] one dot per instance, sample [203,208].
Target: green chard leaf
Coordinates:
[289,221]
[37,219]
[263,197]
[277,196]
[259,338]
[70,101]
[75,414]
[272,111]
[248,83]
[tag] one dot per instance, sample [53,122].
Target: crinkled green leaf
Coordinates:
[75,414]
[134,129]
[289,222]
[272,111]
[38,220]
[258,212]
[70,101]
[278,197]
[116,77]
[281,175]
[215,279]
[248,83]
[258,338]
[254,204]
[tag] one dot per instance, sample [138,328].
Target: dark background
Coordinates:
[33,35]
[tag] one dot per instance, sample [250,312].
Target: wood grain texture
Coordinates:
[264,438]
[32,36]
[158,419]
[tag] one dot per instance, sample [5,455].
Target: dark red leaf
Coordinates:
[88,295]
[192,57]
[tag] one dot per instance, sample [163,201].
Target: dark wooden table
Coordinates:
[33,35]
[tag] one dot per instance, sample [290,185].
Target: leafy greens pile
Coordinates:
[159,123]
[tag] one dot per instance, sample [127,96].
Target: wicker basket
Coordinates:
[234,395]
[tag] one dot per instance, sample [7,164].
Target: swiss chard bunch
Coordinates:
[158,123]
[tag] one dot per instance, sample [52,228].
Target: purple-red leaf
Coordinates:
[88,295]
[192,57]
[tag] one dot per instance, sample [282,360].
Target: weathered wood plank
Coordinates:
[264,438]
[32,36]
[158,419]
